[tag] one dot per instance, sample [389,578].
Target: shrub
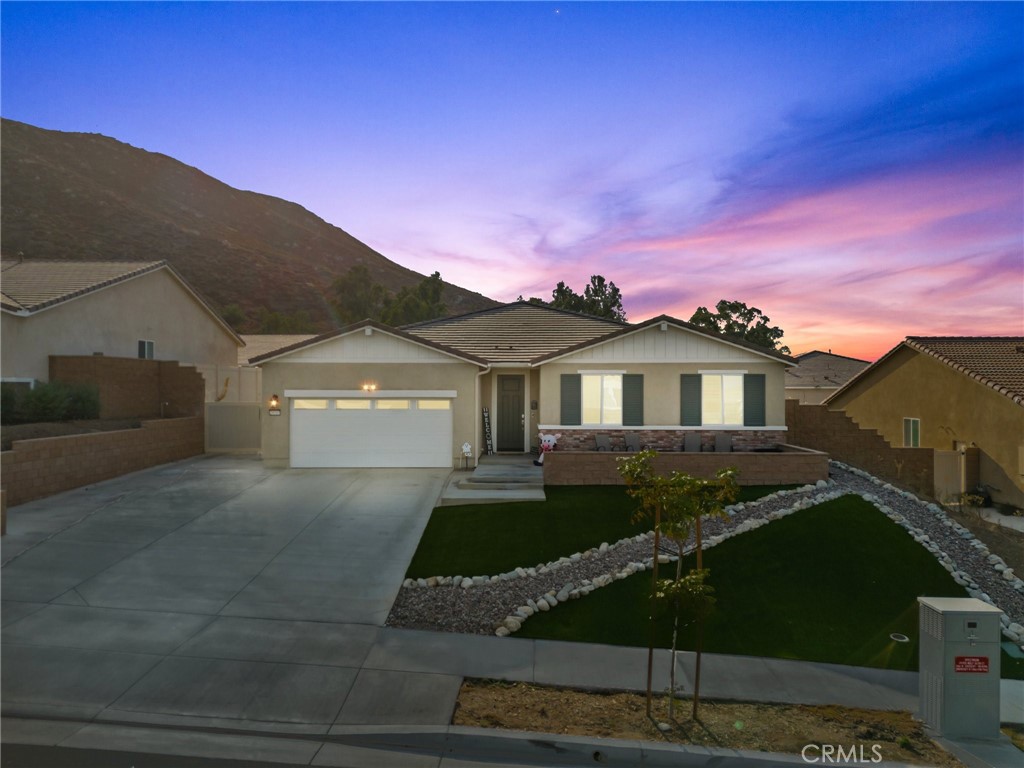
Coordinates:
[57,401]
[83,402]
[8,403]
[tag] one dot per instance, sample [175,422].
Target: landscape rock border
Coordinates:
[508,600]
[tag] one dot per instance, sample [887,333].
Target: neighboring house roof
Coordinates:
[34,285]
[257,345]
[515,333]
[995,361]
[309,342]
[628,329]
[823,370]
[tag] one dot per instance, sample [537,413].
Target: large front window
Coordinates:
[602,398]
[722,399]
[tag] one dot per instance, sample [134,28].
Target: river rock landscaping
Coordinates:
[500,603]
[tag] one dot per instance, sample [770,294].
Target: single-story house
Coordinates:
[431,394]
[949,393]
[135,309]
[818,374]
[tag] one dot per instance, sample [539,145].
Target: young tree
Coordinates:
[414,305]
[736,320]
[677,503]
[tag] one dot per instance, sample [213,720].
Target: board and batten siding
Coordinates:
[358,347]
[653,345]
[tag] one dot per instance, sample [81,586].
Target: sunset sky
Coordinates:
[854,170]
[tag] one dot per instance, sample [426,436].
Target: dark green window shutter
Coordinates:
[572,409]
[753,400]
[632,399]
[690,399]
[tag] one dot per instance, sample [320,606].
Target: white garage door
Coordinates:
[371,432]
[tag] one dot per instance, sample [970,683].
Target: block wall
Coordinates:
[835,433]
[34,469]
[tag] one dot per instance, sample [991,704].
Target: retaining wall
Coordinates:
[132,388]
[34,469]
[791,466]
[835,433]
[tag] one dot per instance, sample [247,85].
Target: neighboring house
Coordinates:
[949,393]
[111,308]
[373,395]
[818,374]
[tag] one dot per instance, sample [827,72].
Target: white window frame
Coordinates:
[148,351]
[915,439]
[600,376]
[705,388]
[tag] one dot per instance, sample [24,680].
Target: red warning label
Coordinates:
[970,664]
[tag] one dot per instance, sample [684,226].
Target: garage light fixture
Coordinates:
[275,402]
[370,386]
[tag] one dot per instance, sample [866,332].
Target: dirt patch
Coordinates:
[1005,542]
[786,728]
[11,432]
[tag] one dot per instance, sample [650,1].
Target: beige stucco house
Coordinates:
[949,393]
[818,374]
[443,392]
[111,308]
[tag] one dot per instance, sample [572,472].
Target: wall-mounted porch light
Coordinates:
[274,406]
[370,386]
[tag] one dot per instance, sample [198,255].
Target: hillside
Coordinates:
[85,196]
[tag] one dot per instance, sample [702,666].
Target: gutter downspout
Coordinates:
[478,419]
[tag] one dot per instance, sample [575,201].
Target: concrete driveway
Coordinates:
[208,589]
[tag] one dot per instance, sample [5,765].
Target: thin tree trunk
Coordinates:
[654,588]
[675,636]
[700,628]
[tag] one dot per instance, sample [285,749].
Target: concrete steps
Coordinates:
[497,479]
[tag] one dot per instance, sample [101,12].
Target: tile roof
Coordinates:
[996,361]
[309,341]
[823,370]
[257,345]
[515,333]
[34,284]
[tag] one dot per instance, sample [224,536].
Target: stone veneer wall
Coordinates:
[818,427]
[34,469]
[132,388]
[668,439]
[791,466]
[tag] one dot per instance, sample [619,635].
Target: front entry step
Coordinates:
[496,479]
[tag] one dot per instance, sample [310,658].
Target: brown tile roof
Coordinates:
[267,356]
[823,370]
[34,284]
[515,333]
[671,321]
[996,361]
[257,345]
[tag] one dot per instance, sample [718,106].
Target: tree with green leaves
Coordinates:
[600,298]
[283,322]
[677,503]
[357,296]
[735,320]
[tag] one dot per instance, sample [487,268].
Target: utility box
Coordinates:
[958,683]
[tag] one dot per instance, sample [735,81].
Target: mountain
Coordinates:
[82,196]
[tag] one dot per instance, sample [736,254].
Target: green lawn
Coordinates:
[825,584]
[485,539]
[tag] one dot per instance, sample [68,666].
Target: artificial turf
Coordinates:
[828,584]
[485,539]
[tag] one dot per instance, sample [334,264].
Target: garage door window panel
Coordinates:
[306,404]
[434,405]
[352,405]
[392,405]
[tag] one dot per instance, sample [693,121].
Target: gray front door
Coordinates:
[510,413]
